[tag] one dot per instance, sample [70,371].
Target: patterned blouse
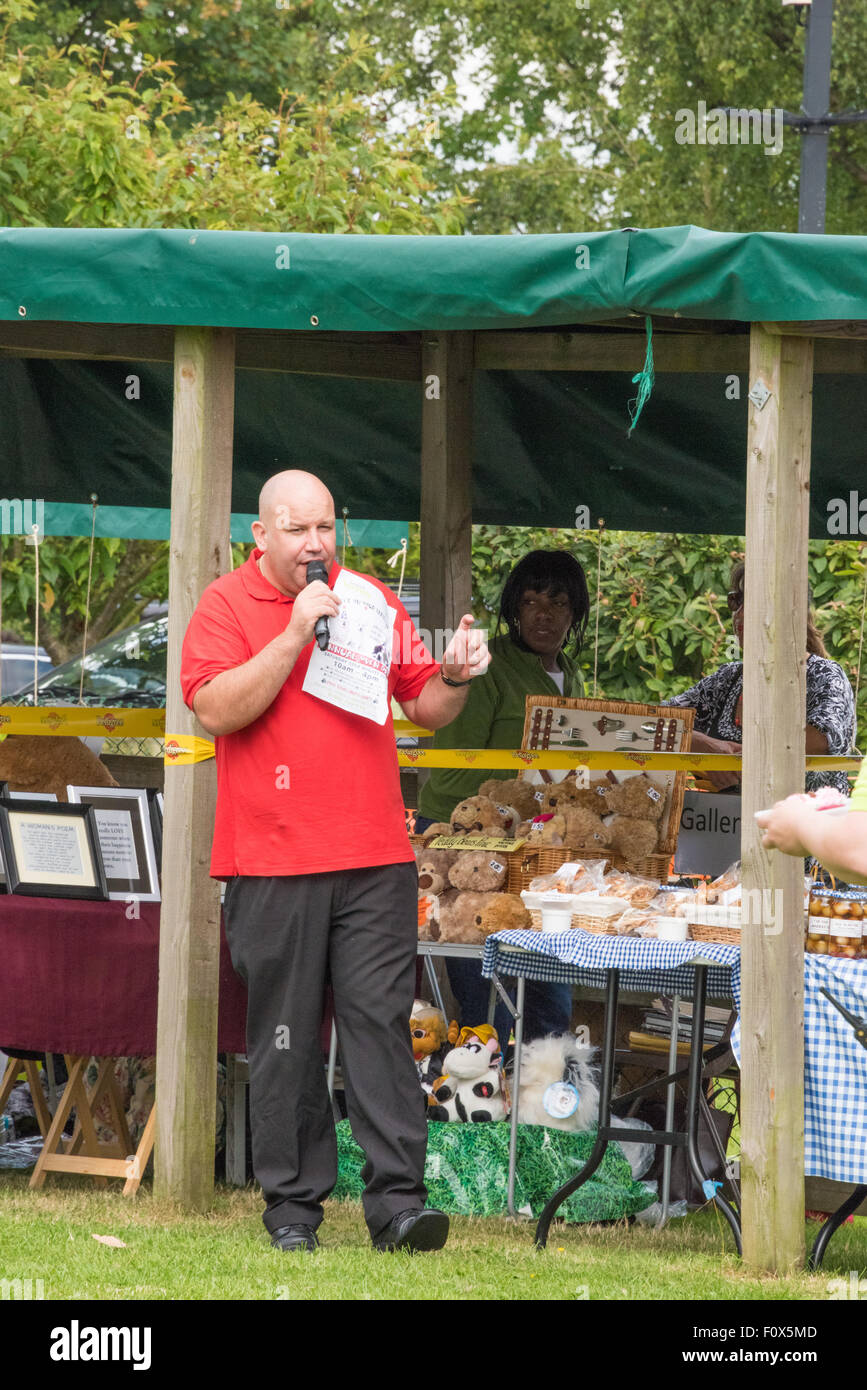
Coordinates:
[830,709]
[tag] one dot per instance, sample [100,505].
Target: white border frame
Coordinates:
[138,799]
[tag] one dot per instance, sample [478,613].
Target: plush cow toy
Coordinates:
[471,1086]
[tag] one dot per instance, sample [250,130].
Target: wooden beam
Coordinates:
[610,352]
[772,939]
[397,356]
[820,328]
[382,357]
[190,917]
[446,478]
[373,356]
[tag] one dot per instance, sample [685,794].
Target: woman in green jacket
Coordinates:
[544,608]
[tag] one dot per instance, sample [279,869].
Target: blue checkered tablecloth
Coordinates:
[835,1064]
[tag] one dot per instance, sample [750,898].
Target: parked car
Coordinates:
[17,666]
[128,669]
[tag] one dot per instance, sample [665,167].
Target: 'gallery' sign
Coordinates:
[709,839]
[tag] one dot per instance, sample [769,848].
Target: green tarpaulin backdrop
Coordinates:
[544,443]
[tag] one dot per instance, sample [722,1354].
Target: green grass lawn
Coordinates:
[225,1254]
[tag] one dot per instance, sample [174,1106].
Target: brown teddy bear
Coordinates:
[632,838]
[635,796]
[591,796]
[433,870]
[468,918]
[478,871]
[557,796]
[584,829]
[477,815]
[544,830]
[512,791]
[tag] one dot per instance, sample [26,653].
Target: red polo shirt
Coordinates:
[306,787]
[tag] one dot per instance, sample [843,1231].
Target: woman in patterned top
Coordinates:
[717,702]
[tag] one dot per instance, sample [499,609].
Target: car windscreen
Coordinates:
[129,669]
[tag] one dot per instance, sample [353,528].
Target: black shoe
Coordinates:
[418,1229]
[294,1238]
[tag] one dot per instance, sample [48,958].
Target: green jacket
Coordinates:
[493,717]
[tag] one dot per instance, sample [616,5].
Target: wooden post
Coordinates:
[772,949]
[189,922]
[446,478]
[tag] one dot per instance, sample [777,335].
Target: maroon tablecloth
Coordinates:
[81,977]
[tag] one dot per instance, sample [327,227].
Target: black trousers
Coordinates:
[288,936]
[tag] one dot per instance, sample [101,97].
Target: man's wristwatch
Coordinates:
[456,685]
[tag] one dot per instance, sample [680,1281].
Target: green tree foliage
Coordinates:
[95,132]
[81,145]
[662,618]
[125,577]
[561,116]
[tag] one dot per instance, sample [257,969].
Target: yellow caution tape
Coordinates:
[183,749]
[85,721]
[549,760]
[89,721]
[82,721]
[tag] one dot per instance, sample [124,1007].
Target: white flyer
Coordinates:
[353,672]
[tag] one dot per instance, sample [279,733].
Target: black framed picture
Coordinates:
[123,825]
[155,805]
[51,850]
[4,794]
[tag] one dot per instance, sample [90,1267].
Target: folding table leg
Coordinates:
[14,1067]
[433,981]
[670,1093]
[516,1086]
[852,1203]
[105,1085]
[136,1165]
[74,1094]
[694,1074]
[603,1134]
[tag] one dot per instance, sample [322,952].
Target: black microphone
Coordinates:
[316,570]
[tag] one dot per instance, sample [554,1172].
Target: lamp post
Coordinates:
[814,122]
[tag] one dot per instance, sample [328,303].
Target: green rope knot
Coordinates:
[644,380]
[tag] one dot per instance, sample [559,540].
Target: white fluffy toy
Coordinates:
[559,1089]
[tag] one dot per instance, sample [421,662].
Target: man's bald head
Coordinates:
[295,526]
[290,491]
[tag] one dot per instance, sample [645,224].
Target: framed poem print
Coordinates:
[51,850]
[123,826]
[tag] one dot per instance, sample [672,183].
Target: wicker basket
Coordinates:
[601,923]
[721,936]
[527,864]
[655,866]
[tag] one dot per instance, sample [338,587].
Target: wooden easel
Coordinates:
[14,1067]
[84,1152]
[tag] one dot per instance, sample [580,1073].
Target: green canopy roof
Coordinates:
[369,283]
[544,442]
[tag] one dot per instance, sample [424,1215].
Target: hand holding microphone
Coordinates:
[313,607]
[317,571]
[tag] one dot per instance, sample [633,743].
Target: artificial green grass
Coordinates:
[224,1254]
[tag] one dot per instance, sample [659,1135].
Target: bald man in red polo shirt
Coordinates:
[321,880]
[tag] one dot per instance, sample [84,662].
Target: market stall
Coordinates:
[438,319]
